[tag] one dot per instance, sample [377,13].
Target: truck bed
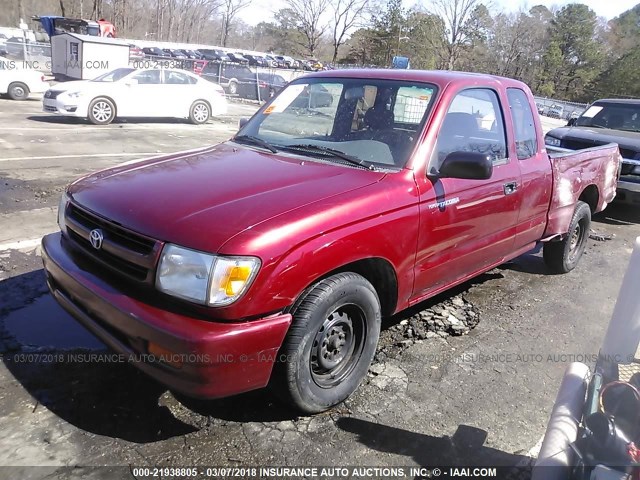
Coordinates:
[590,175]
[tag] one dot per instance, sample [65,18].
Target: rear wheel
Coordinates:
[18,91]
[330,345]
[102,111]
[563,256]
[200,112]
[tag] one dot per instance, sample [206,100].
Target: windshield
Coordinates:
[114,75]
[616,116]
[372,120]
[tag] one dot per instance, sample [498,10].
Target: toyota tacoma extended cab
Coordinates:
[607,121]
[269,259]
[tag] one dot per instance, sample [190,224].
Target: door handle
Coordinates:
[510,187]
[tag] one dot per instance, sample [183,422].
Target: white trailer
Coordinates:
[83,57]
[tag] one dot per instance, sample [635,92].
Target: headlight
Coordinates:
[552,141]
[74,94]
[204,278]
[62,206]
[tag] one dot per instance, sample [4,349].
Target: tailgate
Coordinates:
[573,173]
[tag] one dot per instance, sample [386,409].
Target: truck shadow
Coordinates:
[464,449]
[102,397]
[619,214]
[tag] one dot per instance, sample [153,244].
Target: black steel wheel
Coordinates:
[563,256]
[330,345]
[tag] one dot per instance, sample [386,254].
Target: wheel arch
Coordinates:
[591,196]
[377,270]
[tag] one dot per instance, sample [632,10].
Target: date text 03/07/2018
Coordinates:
[279,472]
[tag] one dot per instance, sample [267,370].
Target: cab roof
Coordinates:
[438,77]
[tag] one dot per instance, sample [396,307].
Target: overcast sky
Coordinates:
[262,10]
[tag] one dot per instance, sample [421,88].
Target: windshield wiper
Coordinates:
[250,139]
[331,152]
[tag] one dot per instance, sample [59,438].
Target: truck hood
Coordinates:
[584,137]
[201,199]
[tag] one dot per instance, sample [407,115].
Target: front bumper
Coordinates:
[61,106]
[218,359]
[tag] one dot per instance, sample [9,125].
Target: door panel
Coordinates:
[534,167]
[467,225]
[144,99]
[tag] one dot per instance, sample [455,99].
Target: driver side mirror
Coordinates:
[571,122]
[242,122]
[466,165]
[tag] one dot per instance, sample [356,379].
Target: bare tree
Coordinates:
[347,15]
[456,15]
[229,12]
[307,14]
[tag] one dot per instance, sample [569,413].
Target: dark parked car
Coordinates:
[228,75]
[269,84]
[14,47]
[155,52]
[238,58]
[608,121]
[214,55]
[257,61]
[175,53]
[274,61]
[192,54]
[3,44]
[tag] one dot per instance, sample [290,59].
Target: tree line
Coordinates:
[567,52]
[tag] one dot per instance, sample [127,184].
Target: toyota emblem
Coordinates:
[96,237]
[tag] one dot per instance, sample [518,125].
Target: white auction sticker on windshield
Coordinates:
[286,98]
[592,112]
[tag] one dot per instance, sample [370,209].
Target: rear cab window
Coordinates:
[523,124]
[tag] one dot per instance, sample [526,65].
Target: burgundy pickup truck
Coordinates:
[269,259]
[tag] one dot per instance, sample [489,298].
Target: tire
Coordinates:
[330,344]
[233,87]
[102,111]
[272,93]
[18,91]
[200,112]
[564,255]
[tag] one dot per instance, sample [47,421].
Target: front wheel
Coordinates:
[563,256]
[330,345]
[102,111]
[233,87]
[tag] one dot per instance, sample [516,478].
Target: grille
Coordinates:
[123,251]
[52,93]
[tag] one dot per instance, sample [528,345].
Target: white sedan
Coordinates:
[18,82]
[129,92]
